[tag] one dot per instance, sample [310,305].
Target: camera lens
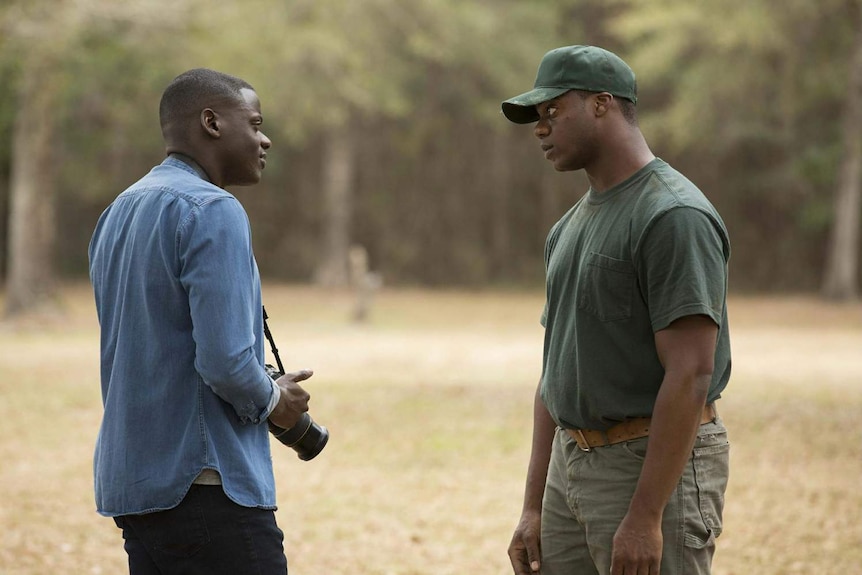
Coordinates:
[307,438]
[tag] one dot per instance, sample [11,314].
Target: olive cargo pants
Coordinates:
[588,493]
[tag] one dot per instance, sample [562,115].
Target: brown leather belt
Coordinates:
[625,431]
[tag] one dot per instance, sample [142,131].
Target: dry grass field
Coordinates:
[429,405]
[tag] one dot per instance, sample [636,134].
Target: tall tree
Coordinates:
[338,198]
[769,137]
[44,35]
[30,279]
[841,279]
[30,273]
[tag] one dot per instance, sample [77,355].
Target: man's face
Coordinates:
[244,144]
[566,131]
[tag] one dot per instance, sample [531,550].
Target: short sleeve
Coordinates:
[682,267]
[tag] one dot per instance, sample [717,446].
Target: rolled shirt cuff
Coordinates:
[273,400]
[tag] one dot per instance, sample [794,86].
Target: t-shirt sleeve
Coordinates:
[682,267]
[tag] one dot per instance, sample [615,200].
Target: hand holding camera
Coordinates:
[290,422]
[294,399]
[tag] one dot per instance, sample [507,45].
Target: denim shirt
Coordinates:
[183,385]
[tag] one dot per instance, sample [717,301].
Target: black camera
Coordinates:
[307,438]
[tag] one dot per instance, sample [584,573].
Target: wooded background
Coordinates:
[386,129]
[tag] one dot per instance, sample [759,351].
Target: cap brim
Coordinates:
[522,109]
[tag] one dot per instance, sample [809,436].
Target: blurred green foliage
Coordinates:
[744,96]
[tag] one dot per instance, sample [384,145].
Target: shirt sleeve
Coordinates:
[682,267]
[219,274]
[273,400]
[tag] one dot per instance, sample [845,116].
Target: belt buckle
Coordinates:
[583,440]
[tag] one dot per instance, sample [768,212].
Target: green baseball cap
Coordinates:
[586,68]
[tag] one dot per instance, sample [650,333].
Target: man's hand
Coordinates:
[637,547]
[294,400]
[524,550]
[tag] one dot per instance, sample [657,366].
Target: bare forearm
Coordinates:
[675,420]
[524,550]
[686,350]
[540,456]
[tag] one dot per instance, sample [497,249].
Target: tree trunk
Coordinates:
[841,277]
[501,236]
[30,277]
[337,183]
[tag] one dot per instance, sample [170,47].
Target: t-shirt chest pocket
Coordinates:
[606,287]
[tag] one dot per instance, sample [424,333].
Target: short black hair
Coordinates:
[629,110]
[196,89]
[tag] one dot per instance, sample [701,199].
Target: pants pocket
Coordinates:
[707,479]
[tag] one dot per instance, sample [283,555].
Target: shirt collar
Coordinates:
[191,164]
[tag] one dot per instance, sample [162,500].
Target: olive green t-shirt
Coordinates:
[620,266]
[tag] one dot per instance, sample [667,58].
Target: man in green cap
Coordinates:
[629,459]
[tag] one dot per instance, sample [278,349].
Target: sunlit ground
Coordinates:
[429,405]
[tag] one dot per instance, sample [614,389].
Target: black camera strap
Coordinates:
[269,337]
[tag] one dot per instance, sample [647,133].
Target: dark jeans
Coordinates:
[206,533]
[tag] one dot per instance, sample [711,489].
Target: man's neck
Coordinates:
[619,162]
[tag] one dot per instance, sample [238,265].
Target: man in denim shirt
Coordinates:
[182,461]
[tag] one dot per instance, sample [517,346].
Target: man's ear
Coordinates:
[603,103]
[210,122]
